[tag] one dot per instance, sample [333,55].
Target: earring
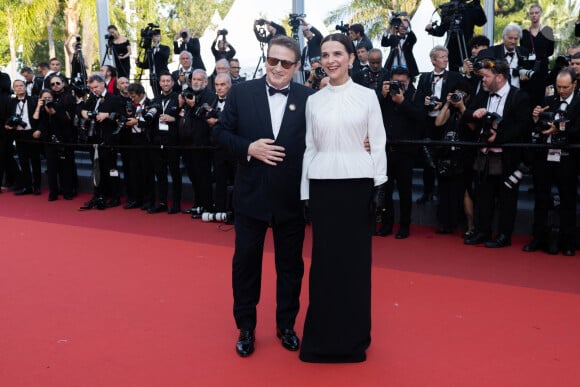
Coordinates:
[350,66]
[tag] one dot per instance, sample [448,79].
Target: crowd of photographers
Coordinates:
[476,94]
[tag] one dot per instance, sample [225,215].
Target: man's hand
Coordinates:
[263,150]
[398,98]
[537,111]
[211,121]
[102,116]
[479,113]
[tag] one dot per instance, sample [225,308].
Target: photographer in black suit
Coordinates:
[19,127]
[194,130]
[101,110]
[311,49]
[164,133]
[403,118]
[459,18]
[432,89]
[265,30]
[401,40]
[156,60]
[556,166]
[520,61]
[184,42]
[500,114]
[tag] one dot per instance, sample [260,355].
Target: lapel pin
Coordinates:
[292,107]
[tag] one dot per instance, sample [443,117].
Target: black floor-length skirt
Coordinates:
[338,321]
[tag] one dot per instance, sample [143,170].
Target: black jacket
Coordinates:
[193,47]
[392,41]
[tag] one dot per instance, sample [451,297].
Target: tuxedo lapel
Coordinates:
[260,100]
[290,111]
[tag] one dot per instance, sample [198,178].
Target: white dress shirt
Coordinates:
[338,119]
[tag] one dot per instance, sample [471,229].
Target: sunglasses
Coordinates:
[55,84]
[285,63]
[235,67]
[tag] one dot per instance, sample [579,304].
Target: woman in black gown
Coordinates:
[121,50]
[539,40]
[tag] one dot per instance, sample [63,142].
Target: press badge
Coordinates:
[554,155]
[163,125]
[532,57]
[114,173]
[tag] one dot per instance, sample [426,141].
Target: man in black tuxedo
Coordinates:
[182,75]
[556,166]
[264,125]
[102,107]
[23,107]
[224,165]
[520,60]
[156,61]
[374,75]
[401,41]
[190,45]
[403,118]
[432,89]
[470,15]
[493,165]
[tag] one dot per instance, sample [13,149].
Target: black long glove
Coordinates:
[306,211]
[379,201]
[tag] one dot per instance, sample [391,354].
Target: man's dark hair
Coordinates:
[43,65]
[362,44]
[569,71]
[165,74]
[26,69]
[478,40]
[96,77]
[400,71]
[285,41]
[357,28]
[497,66]
[136,88]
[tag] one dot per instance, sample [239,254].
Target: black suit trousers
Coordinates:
[60,166]
[247,269]
[491,192]
[563,174]
[29,159]
[400,172]
[164,159]
[198,165]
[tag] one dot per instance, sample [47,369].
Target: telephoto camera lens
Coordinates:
[215,217]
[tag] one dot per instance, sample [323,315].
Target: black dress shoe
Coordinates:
[161,207]
[245,343]
[23,191]
[68,196]
[403,233]
[52,197]
[131,205]
[289,339]
[553,246]
[146,206]
[476,239]
[113,203]
[501,240]
[569,250]
[36,191]
[174,210]
[386,229]
[534,245]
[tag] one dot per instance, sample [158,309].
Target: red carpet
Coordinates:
[123,298]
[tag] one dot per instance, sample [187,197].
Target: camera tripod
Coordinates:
[456,32]
[262,58]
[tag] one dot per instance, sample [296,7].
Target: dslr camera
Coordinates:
[396,20]
[395,87]
[151,112]
[222,32]
[15,121]
[432,103]
[489,120]
[456,97]
[205,111]
[319,72]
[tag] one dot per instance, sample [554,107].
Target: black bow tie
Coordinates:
[272,90]
[510,54]
[495,95]
[222,100]
[29,83]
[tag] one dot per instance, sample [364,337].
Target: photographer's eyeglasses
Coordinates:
[55,84]
[285,63]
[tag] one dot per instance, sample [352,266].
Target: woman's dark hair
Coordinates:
[340,38]
[112,26]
